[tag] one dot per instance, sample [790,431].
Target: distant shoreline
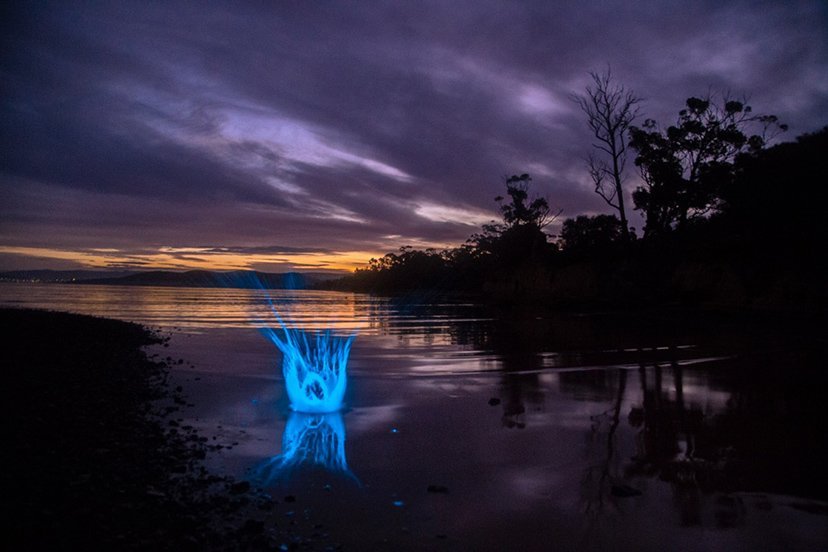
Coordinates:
[240,279]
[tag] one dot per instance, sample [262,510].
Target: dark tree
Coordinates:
[520,210]
[776,201]
[520,237]
[685,166]
[408,269]
[610,109]
[591,235]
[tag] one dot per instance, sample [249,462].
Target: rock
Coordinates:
[494,401]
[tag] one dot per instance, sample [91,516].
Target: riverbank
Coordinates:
[95,454]
[650,279]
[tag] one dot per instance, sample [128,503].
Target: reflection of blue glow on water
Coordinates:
[314,367]
[308,440]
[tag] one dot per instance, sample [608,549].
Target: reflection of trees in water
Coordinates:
[526,345]
[760,440]
[768,437]
[421,316]
[674,441]
[518,389]
[594,385]
[667,441]
[580,339]
[763,439]
[521,361]
[601,474]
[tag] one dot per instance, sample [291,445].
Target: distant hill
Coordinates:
[60,275]
[246,279]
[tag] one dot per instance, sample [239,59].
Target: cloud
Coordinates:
[330,127]
[456,215]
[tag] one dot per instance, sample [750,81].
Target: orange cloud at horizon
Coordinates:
[193,258]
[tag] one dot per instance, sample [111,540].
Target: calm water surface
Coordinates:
[472,429]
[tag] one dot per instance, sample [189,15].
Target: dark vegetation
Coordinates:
[94,456]
[729,222]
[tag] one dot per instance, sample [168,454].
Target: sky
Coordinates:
[298,135]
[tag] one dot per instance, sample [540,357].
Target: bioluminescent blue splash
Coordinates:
[314,363]
[314,366]
[309,440]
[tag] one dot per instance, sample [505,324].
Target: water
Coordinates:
[472,429]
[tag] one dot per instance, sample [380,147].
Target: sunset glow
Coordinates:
[175,136]
[192,258]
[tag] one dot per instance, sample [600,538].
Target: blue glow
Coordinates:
[308,440]
[314,366]
[314,363]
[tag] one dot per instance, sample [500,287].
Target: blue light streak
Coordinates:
[314,365]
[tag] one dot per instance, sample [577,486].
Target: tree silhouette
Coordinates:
[520,237]
[591,235]
[685,166]
[518,212]
[762,190]
[610,109]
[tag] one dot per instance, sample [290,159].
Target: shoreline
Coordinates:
[98,458]
[88,474]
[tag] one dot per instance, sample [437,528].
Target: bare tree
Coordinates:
[610,109]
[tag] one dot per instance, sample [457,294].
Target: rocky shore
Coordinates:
[95,455]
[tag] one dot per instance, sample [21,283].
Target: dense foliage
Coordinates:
[728,221]
[685,167]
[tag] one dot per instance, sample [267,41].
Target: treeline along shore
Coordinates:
[95,457]
[729,223]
